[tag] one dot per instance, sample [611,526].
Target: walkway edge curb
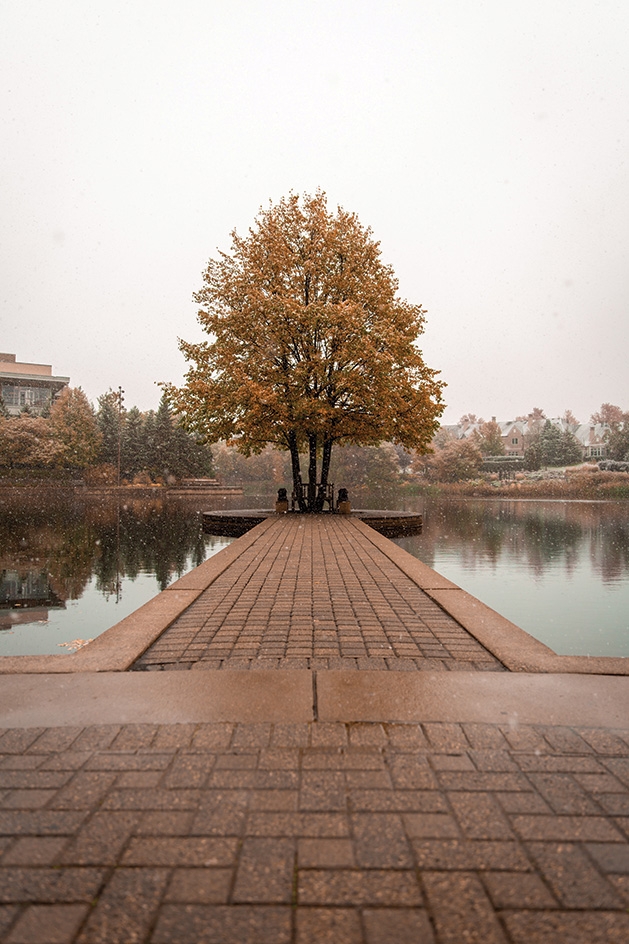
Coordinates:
[286,696]
[513,646]
[118,647]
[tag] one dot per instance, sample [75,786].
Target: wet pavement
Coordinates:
[314,594]
[239,833]
[315,800]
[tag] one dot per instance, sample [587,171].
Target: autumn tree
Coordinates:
[570,419]
[470,419]
[75,429]
[267,468]
[367,466]
[617,435]
[309,344]
[618,439]
[27,441]
[457,461]
[609,414]
[488,438]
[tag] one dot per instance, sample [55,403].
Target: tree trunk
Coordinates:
[325,471]
[296,469]
[312,471]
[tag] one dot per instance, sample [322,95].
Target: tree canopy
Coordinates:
[309,344]
[74,427]
[489,439]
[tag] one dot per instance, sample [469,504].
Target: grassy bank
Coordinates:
[564,484]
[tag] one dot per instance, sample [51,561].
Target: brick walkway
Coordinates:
[256,833]
[321,832]
[309,594]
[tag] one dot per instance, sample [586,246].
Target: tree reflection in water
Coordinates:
[574,555]
[558,569]
[73,541]
[56,549]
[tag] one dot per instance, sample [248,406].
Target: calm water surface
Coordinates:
[71,569]
[560,570]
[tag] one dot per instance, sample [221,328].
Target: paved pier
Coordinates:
[403,765]
[316,593]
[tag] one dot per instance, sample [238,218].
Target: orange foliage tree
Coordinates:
[309,344]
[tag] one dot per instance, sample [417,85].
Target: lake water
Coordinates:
[558,569]
[70,569]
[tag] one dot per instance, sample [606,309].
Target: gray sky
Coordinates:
[485,144]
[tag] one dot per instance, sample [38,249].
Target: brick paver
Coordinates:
[311,593]
[314,832]
[362,833]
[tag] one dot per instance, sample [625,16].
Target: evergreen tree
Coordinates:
[134,457]
[163,454]
[109,421]
[533,455]
[571,451]
[550,444]
[552,447]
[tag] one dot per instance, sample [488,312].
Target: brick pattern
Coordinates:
[317,832]
[313,592]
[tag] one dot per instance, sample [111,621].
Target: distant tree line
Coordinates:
[155,447]
[74,436]
[451,460]
[457,459]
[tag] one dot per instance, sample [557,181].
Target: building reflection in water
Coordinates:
[26,596]
[57,549]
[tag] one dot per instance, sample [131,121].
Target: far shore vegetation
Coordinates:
[78,444]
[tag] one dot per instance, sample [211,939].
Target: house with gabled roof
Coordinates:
[591,437]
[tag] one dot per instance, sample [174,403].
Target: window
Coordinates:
[514,442]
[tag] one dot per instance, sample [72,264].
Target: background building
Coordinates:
[28,385]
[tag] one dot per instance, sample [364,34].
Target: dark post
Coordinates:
[281,505]
[343,506]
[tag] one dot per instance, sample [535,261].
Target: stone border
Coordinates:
[117,648]
[513,646]
[292,696]
[234,523]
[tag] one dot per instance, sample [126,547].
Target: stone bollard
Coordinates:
[281,505]
[343,506]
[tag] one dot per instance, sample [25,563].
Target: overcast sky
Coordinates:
[485,143]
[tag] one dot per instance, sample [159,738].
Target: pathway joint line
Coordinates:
[315,697]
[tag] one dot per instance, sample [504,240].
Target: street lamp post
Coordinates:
[120,402]
[118,582]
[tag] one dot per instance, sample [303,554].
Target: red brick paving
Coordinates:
[311,593]
[262,833]
[231,833]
